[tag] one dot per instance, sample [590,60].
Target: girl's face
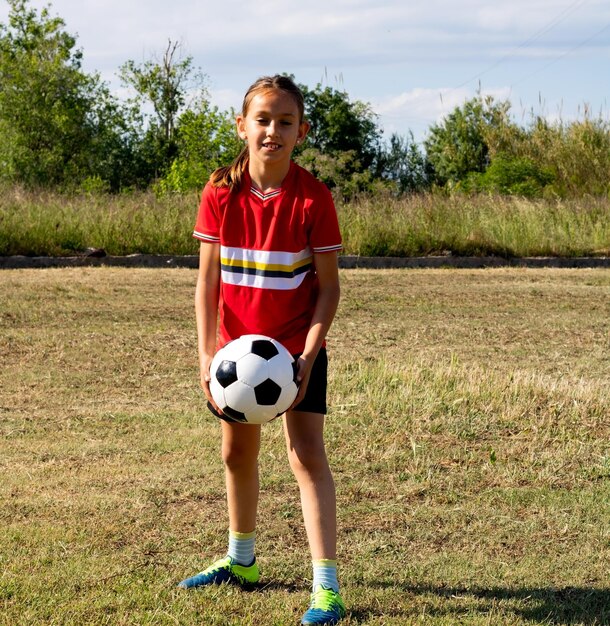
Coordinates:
[272,127]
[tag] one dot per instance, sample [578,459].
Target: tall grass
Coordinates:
[46,223]
[475,225]
[575,154]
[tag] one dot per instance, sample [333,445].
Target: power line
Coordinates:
[562,56]
[563,15]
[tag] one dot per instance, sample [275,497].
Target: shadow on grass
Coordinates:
[562,606]
[275,586]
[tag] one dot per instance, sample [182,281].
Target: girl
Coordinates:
[268,265]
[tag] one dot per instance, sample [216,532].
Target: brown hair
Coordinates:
[231,175]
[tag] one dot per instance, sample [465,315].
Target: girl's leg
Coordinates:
[307,456]
[240,448]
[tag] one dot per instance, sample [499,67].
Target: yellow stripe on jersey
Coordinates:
[267,267]
[264,269]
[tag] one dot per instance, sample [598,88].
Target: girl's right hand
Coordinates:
[205,382]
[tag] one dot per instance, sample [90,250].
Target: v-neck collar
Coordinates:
[264,197]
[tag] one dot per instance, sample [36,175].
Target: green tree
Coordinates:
[116,155]
[162,85]
[206,139]
[403,163]
[340,171]
[55,120]
[343,142]
[340,125]
[458,146]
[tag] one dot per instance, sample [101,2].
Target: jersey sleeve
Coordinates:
[207,226]
[325,235]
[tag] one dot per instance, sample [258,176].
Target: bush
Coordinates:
[565,160]
[515,176]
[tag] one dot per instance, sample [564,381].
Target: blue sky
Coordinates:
[412,61]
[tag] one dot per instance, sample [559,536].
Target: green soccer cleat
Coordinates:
[325,609]
[224,571]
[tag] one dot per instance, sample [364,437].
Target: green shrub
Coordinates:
[515,176]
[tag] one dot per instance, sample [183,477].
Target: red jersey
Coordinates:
[268,282]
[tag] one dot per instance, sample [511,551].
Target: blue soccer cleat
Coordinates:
[325,609]
[224,571]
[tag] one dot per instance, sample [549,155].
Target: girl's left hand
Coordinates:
[304,366]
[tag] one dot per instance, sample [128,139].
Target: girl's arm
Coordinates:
[206,310]
[324,313]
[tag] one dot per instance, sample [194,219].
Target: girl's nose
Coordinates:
[272,129]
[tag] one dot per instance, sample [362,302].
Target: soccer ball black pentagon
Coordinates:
[253,379]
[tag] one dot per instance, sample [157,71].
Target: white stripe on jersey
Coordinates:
[265,269]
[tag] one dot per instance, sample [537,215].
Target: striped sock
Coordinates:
[325,574]
[241,547]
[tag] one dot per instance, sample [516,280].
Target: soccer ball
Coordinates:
[253,379]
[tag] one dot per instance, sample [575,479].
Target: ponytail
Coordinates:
[230,176]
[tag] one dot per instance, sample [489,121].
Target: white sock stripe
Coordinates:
[325,575]
[241,550]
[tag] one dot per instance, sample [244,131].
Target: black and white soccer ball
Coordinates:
[253,379]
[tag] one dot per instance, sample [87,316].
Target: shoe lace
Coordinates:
[219,565]
[323,599]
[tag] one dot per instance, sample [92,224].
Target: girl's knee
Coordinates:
[236,457]
[240,446]
[308,458]
[305,442]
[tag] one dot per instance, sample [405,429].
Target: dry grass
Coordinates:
[469,437]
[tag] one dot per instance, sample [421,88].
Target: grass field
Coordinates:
[469,436]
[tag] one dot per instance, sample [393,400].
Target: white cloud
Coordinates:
[226,99]
[354,31]
[419,108]
[392,53]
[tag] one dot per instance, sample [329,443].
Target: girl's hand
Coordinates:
[205,382]
[304,366]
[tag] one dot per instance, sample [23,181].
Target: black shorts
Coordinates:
[315,396]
